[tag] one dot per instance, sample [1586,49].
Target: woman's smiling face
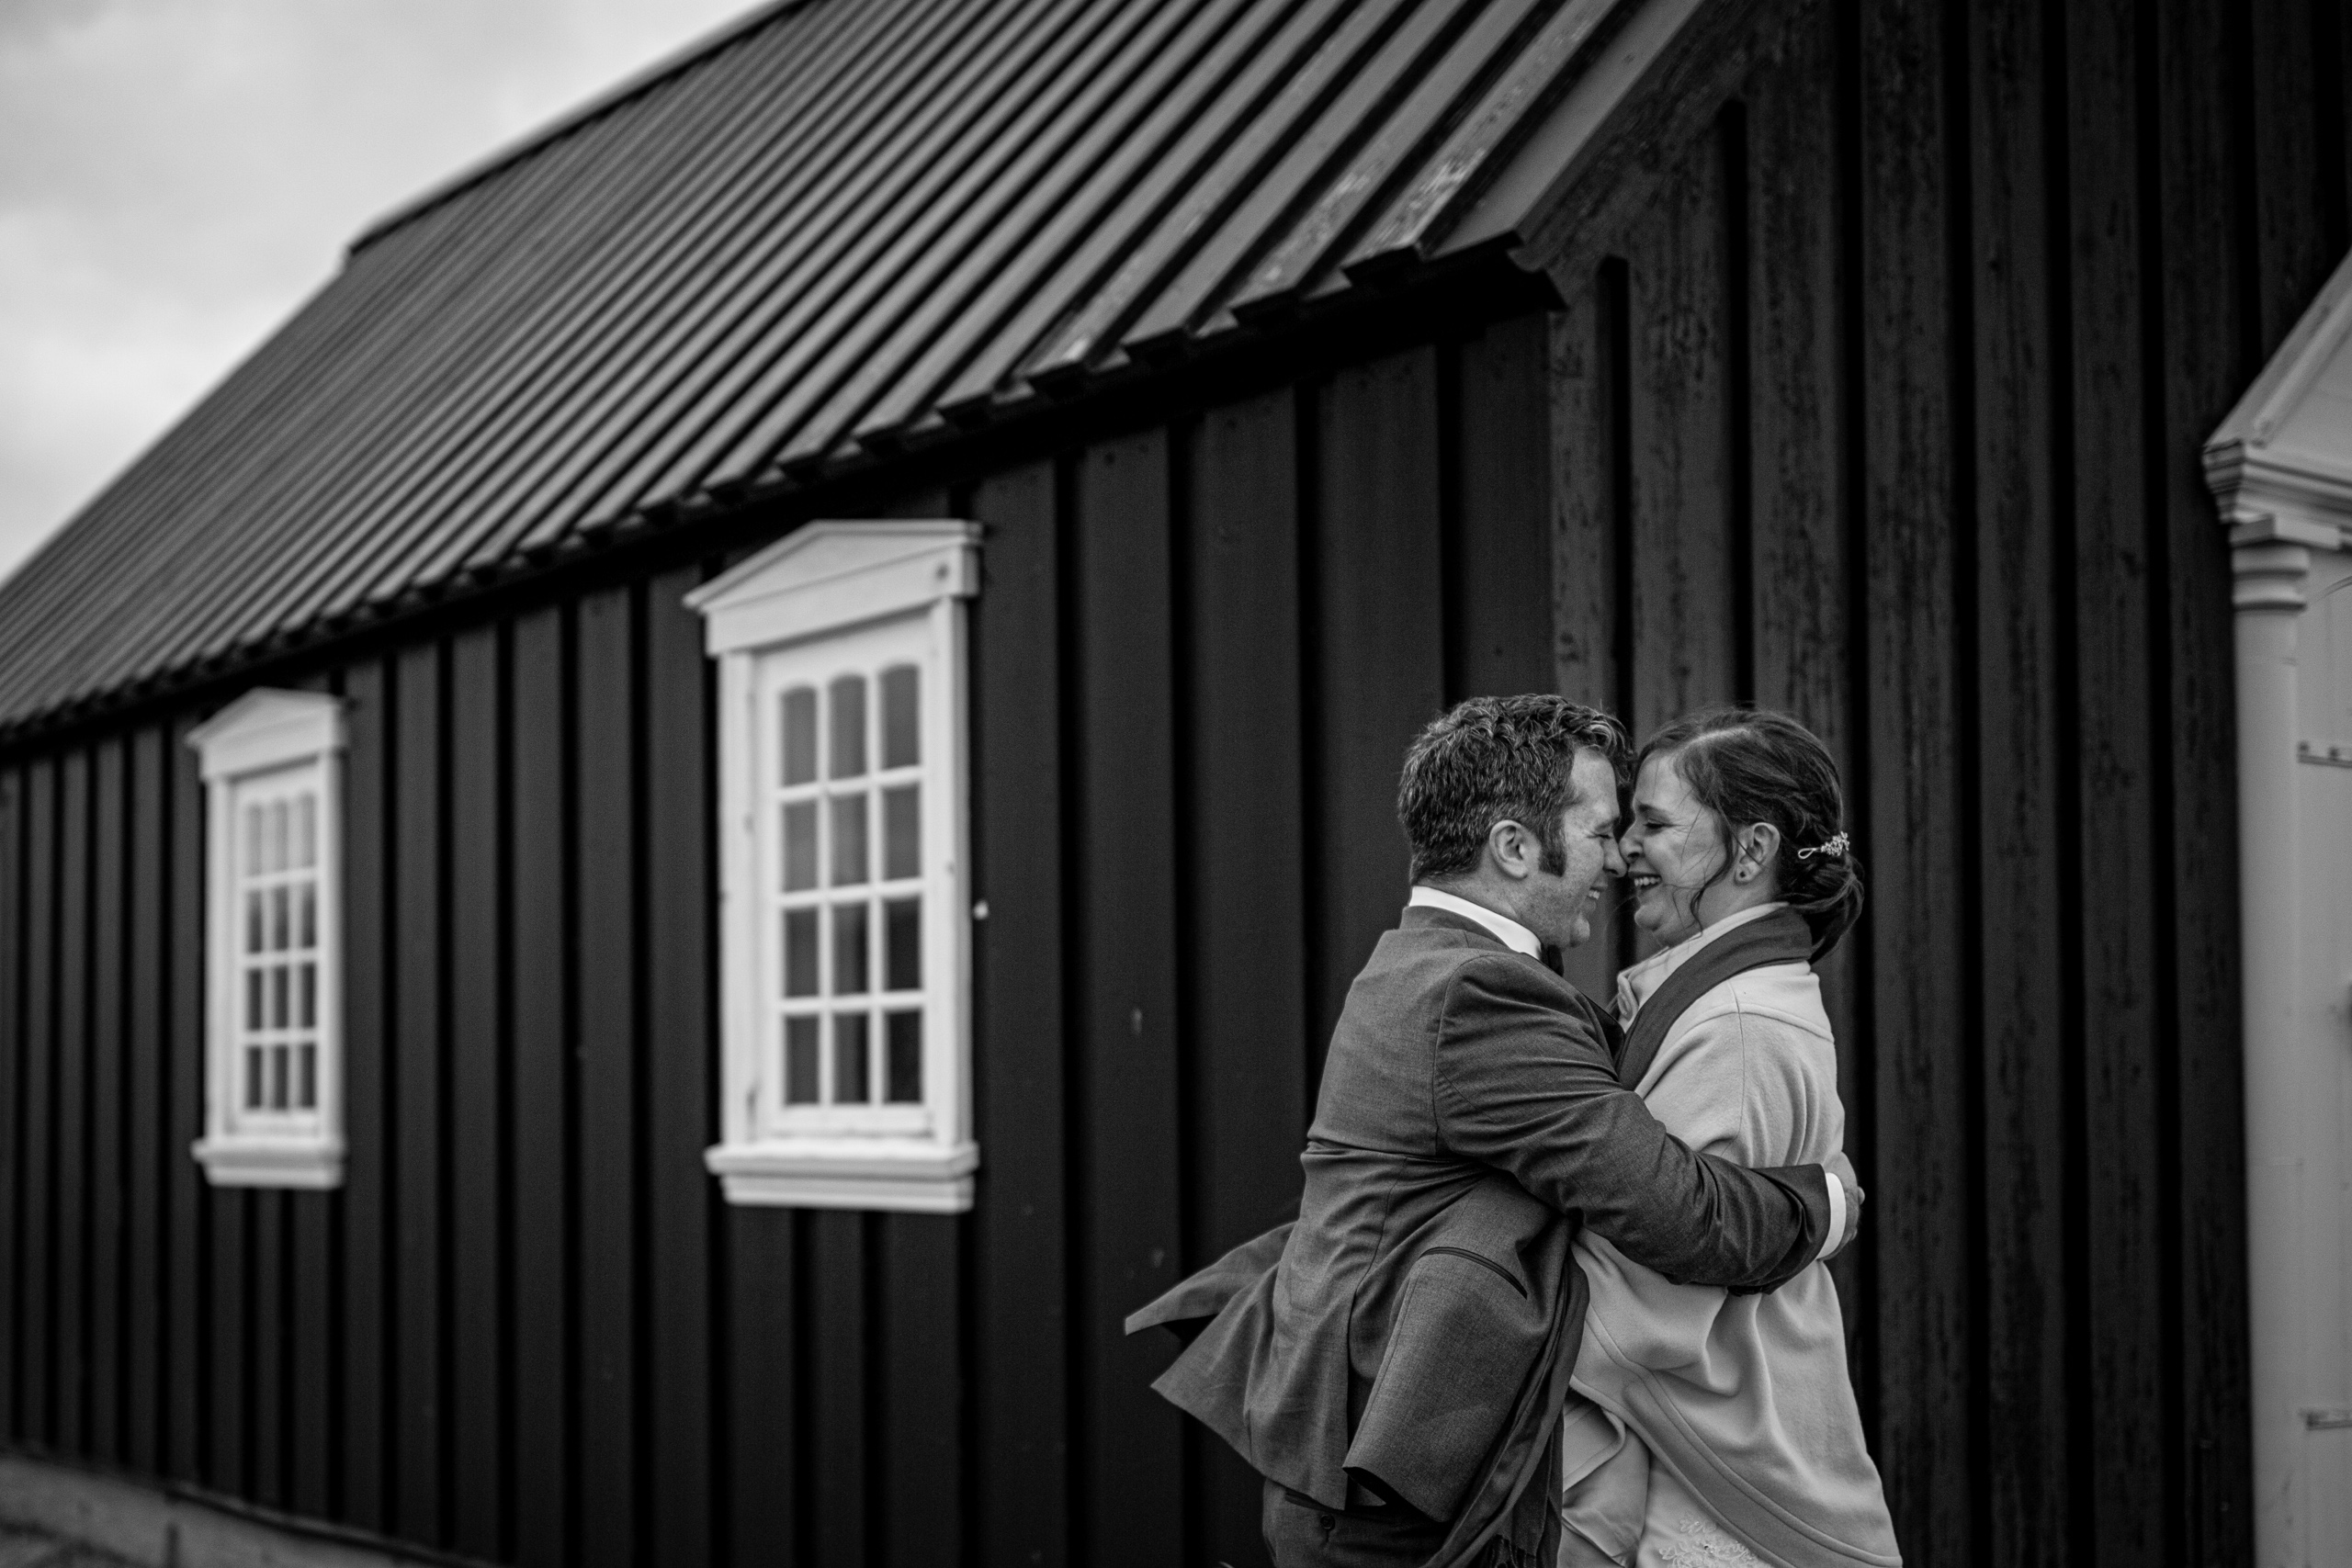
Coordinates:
[1674,851]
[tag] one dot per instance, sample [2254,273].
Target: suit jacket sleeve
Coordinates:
[1524,1086]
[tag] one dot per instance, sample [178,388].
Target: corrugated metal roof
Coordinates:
[842,226]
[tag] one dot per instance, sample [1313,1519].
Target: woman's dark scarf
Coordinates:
[1780,937]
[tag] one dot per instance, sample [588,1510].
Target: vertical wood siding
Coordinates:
[147,916]
[609,1046]
[2211,349]
[33,1279]
[183,1386]
[681,1209]
[1375,652]
[478,1021]
[12,1122]
[539,810]
[1993,271]
[415,1096]
[1241,799]
[1917,494]
[69,1216]
[1021,1381]
[1128,1131]
[368,1196]
[1884,412]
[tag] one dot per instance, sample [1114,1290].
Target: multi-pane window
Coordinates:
[278,897]
[272,766]
[847,912]
[848,806]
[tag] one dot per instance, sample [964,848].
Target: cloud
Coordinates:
[177,175]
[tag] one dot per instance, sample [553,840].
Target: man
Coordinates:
[1394,1362]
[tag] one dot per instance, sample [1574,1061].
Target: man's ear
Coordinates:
[1513,848]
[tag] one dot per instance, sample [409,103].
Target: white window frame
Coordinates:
[258,746]
[837,597]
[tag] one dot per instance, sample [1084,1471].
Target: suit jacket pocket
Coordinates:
[1464,1334]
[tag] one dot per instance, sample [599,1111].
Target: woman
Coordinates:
[1712,1428]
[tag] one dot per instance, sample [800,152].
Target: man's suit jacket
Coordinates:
[1470,1118]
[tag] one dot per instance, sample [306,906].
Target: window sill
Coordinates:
[847,1173]
[312,1163]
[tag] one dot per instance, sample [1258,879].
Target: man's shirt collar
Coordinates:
[1508,931]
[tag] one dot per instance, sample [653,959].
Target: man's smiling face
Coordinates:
[1562,907]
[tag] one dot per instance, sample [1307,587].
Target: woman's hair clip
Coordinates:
[1836,846]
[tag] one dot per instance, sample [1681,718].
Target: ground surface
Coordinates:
[24,1549]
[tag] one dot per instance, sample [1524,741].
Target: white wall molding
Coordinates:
[2269,573]
[2280,470]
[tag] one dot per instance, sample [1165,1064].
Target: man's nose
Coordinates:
[1616,859]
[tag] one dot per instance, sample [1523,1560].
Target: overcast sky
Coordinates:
[177,176]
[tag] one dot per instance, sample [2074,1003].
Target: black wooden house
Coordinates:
[1252,378]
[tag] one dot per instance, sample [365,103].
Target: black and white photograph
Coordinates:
[1175,784]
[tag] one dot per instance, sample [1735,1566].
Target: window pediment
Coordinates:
[267,727]
[826,576]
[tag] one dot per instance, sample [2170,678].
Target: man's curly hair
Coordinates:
[1498,760]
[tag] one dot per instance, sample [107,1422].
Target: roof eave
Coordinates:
[1601,153]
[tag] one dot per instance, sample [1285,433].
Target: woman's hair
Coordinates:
[1749,765]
